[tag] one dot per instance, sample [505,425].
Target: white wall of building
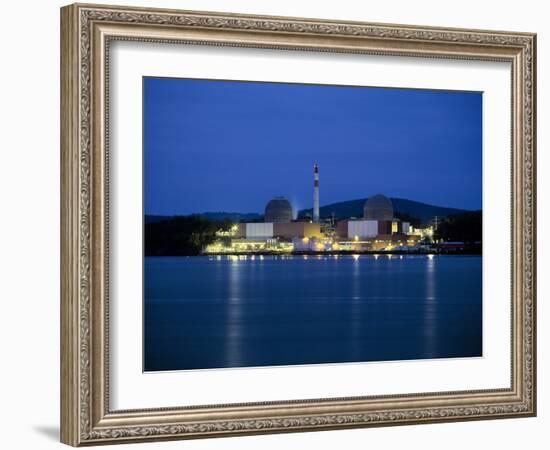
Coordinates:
[259,230]
[363,228]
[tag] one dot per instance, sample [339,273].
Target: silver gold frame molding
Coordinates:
[86,33]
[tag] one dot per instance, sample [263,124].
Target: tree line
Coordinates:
[181,235]
[466,227]
[188,235]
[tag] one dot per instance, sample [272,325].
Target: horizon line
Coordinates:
[220,211]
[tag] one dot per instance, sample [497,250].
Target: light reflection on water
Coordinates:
[237,311]
[234,316]
[430,308]
[355,310]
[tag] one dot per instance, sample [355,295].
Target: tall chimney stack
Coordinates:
[315,193]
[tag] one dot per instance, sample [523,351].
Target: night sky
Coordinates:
[232,146]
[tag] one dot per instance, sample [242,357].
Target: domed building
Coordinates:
[378,207]
[278,210]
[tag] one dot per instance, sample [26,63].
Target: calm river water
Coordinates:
[213,312]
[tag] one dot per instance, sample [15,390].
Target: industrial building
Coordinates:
[378,230]
[281,230]
[377,220]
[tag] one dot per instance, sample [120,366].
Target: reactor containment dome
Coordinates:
[278,210]
[378,207]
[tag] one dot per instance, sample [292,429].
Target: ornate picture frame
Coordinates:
[87,32]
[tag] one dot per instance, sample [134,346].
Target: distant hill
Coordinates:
[342,210]
[354,208]
[218,216]
[155,219]
[234,216]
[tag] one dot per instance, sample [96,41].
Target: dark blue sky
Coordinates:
[232,146]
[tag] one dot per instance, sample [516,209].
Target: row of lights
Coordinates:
[261,257]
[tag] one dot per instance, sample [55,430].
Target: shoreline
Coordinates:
[333,253]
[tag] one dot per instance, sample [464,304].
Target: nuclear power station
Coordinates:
[280,232]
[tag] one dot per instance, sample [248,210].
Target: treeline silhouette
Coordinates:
[188,235]
[404,217]
[466,227]
[181,235]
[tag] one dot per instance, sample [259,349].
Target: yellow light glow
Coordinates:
[356,238]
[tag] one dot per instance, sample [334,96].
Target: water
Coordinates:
[213,312]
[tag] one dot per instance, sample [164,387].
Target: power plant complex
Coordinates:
[280,232]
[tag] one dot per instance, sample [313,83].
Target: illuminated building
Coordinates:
[277,234]
[278,224]
[278,230]
[235,246]
[378,230]
[378,220]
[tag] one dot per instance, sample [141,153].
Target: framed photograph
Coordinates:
[274,224]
